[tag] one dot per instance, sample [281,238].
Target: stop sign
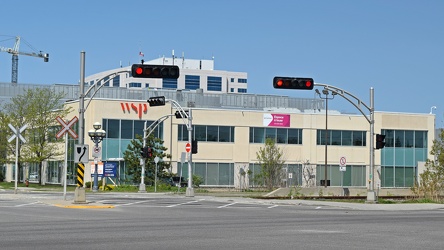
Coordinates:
[188,147]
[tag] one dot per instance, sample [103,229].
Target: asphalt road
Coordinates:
[149,221]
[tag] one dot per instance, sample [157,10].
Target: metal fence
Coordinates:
[185,98]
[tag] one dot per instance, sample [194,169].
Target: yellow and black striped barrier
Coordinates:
[80,174]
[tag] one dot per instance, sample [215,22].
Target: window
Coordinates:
[192,82]
[135,85]
[207,133]
[242,80]
[405,138]
[116,81]
[279,135]
[169,83]
[341,137]
[400,156]
[240,90]
[214,83]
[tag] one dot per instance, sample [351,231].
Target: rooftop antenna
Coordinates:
[431,109]
[173,56]
[183,60]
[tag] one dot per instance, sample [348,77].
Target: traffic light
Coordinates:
[293,83]
[154,71]
[180,114]
[143,152]
[156,101]
[380,143]
[194,146]
[149,152]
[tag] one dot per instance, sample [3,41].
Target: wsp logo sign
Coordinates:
[139,108]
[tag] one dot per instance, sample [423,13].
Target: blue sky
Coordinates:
[394,46]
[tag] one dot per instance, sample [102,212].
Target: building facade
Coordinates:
[194,75]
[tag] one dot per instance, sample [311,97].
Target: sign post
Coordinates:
[66,129]
[17,134]
[342,168]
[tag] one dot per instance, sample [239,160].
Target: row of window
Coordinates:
[340,137]
[207,133]
[279,135]
[405,138]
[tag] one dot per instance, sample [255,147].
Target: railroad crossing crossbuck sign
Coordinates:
[66,127]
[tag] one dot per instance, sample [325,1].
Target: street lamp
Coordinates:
[325,92]
[97,134]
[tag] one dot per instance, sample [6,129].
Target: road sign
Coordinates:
[110,169]
[81,153]
[342,169]
[343,161]
[99,168]
[66,127]
[17,133]
[188,147]
[97,151]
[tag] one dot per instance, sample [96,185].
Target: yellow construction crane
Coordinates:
[15,52]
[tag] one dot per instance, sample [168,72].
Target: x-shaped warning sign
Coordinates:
[66,127]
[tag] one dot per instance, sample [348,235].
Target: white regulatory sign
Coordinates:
[343,161]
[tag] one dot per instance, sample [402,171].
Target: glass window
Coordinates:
[294,136]
[259,135]
[270,133]
[214,83]
[200,133]
[192,82]
[346,138]
[116,81]
[281,136]
[113,128]
[389,138]
[224,134]
[138,128]
[399,138]
[335,137]
[212,133]
[135,85]
[169,83]
[420,139]
[127,129]
[408,139]
[357,138]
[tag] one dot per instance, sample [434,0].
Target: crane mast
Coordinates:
[15,51]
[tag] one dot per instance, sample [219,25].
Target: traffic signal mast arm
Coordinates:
[94,86]
[346,96]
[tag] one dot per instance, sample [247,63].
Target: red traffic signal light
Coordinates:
[293,83]
[154,71]
[380,143]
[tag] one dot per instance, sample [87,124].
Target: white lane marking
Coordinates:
[128,204]
[273,206]
[227,205]
[28,204]
[185,203]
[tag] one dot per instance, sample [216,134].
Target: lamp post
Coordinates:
[326,92]
[97,134]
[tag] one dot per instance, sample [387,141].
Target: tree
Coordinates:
[132,157]
[431,184]
[38,108]
[270,159]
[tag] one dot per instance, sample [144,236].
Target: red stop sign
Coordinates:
[188,147]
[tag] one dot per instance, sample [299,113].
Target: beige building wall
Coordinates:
[241,152]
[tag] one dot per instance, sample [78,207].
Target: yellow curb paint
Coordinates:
[82,206]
